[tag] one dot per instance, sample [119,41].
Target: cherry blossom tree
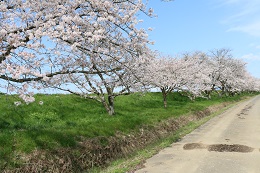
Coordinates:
[227,73]
[172,73]
[217,64]
[235,80]
[161,73]
[197,78]
[111,79]
[58,43]
[249,83]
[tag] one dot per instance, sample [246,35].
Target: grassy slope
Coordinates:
[64,119]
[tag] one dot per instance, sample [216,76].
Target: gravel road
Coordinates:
[228,143]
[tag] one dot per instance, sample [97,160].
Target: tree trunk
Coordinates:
[111,110]
[109,105]
[208,94]
[164,99]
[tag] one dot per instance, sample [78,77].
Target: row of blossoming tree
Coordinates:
[95,49]
[199,74]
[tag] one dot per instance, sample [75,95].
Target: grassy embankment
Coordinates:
[63,120]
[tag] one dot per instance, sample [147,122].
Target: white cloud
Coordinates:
[227,2]
[251,28]
[254,45]
[257,46]
[241,4]
[243,16]
[251,56]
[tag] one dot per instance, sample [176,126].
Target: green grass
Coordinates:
[63,120]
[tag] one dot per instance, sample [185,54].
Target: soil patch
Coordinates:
[230,148]
[192,146]
[219,147]
[244,112]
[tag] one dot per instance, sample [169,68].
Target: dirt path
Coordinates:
[228,143]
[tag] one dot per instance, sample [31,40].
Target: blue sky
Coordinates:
[187,25]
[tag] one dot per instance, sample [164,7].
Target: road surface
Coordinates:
[228,143]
